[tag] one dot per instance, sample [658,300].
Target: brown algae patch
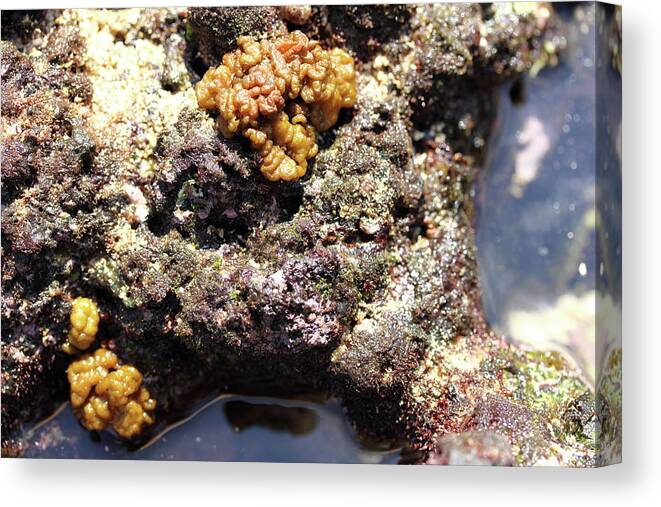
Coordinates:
[278,94]
[105,393]
[84,325]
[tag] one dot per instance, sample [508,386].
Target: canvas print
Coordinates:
[384,234]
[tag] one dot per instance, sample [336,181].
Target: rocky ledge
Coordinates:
[359,280]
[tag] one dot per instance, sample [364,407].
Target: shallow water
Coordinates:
[536,197]
[229,428]
[540,267]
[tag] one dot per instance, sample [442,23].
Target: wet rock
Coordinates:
[472,448]
[175,74]
[359,279]
[25,28]
[65,46]
[49,151]
[365,27]
[295,14]
[359,179]
[453,53]
[518,422]
[215,30]
[608,411]
[205,186]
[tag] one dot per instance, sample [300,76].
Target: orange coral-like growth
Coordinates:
[278,94]
[84,324]
[103,394]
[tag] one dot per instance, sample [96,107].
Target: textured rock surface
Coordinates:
[359,279]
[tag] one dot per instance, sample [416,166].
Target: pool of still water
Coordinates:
[534,236]
[543,268]
[228,428]
[535,199]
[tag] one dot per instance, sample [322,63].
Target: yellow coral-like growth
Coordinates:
[104,394]
[84,324]
[278,94]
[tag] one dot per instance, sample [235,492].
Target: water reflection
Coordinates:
[278,418]
[536,212]
[230,428]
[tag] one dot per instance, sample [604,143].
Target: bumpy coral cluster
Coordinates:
[104,394]
[278,94]
[84,325]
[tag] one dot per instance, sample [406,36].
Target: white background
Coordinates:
[635,482]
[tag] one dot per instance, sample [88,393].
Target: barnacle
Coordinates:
[278,94]
[84,324]
[103,394]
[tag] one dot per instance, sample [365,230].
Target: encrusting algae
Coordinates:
[105,393]
[84,325]
[278,94]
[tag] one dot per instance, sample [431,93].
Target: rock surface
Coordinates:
[359,280]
